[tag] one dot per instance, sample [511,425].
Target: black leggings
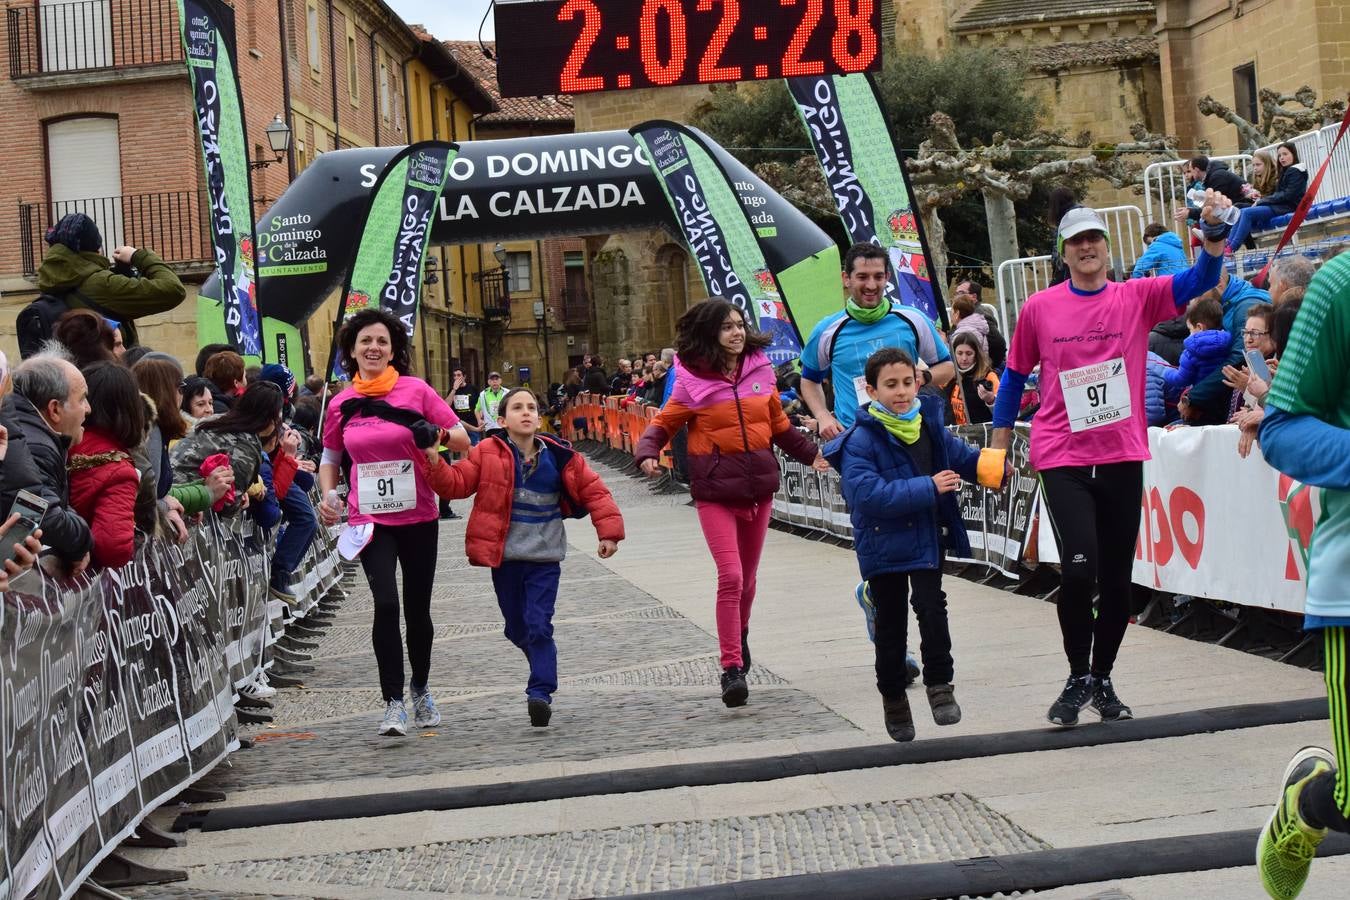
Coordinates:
[413,547]
[892,595]
[1095,513]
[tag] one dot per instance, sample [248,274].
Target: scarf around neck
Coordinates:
[905,426]
[379,386]
[865,315]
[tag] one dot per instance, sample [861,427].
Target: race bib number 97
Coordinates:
[386,487]
[1096,395]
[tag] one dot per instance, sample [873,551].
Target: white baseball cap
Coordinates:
[1076,221]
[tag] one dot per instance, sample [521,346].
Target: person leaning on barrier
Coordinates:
[46,414]
[19,557]
[238,434]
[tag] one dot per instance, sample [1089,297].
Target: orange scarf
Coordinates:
[378,386]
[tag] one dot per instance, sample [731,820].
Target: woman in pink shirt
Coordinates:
[388,492]
[1089,336]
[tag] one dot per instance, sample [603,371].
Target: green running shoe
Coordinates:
[1287,845]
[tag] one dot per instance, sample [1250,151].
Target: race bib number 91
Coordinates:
[385,487]
[1096,395]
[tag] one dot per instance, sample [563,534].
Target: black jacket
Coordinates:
[595,382]
[220,401]
[1167,339]
[1287,194]
[40,461]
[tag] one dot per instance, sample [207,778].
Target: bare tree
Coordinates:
[1283,116]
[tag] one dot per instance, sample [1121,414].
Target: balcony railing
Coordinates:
[174,225]
[88,35]
[576,309]
[492,287]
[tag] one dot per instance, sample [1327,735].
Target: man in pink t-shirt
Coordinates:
[1089,336]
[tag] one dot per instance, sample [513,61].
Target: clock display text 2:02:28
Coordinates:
[581,46]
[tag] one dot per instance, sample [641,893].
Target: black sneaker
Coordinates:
[734,689]
[540,712]
[745,650]
[899,719]
[1106,703]
[1076,694]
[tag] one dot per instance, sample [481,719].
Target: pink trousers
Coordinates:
[735,536]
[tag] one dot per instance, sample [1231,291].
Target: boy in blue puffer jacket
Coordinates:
[900,471]
[1204,352]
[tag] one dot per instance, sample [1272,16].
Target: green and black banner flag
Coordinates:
[738,260]
[394,237]
[208,40]
[871,189]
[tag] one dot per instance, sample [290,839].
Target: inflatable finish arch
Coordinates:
[501,190]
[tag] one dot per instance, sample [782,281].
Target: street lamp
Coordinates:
[279,138]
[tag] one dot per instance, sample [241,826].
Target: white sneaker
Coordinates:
[395,720]
[257,689]
[425,714]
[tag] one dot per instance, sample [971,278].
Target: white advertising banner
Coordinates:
[1219,526]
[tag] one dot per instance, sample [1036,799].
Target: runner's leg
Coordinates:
[541,595]
[1118,489]
[890,596]
[417,556]
[750,535]
[1072,507]
[719,530]
[379,560]
[1325,801]
[935,638]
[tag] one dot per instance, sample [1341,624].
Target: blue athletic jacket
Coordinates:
[896,510]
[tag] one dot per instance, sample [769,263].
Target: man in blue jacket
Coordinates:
[1164,256]
[1207,403]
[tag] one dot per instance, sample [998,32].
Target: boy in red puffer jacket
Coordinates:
[526,483]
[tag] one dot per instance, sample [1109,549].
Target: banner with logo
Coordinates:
[207,28]
[1216,525]
[719,233]
[848,129]
[387,272]
[116,692]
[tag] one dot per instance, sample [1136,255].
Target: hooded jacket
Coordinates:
[1165,256]
[1204,354]
[77,277]
[1209,396]
[1168,339]
[977,325]
[900,522]
[63,529]
[103,487]
[733,424]
[1227,182]
[1288,192]
[244,449]
[490,473]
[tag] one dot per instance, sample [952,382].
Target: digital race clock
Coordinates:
[579,46]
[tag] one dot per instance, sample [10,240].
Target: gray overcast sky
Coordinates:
[448,20]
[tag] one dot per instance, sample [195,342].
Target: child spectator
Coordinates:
[900,472]
[1164,256]
[103,479]
[972,392]
[1206,348]
[526,484]
[225,373]
[86,335]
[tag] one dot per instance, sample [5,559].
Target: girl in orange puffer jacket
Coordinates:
[526,483]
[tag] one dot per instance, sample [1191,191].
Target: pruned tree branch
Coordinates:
[1282,116]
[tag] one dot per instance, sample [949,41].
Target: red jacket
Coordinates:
[103,485]
[490,472]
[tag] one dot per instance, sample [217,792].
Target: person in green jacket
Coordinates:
[76,270]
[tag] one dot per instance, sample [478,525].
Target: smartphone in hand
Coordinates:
[30,509]
[1256,365]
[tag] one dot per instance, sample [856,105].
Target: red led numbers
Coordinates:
[677,38]
[572,81]
[848,23]
[793,64]
[580,46]
[708,68]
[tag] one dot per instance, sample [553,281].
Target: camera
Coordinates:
[987,384]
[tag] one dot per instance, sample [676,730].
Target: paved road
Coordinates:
[637,659]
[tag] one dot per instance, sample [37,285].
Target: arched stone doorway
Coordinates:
[672,292]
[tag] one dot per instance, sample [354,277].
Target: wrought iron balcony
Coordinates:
[91,35]
[493,287]
[576,309]
[173,224]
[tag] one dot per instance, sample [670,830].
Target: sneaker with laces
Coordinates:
[734,689]
[863,594]
[257,689]
[1287,844]
[283,595]
[1106,703]
[1076,694]
[395,721]
[942,700]
[425,713]
[898,717]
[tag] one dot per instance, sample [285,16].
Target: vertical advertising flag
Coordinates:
[394,238]
[208,39]
[719,233]
[871,189]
